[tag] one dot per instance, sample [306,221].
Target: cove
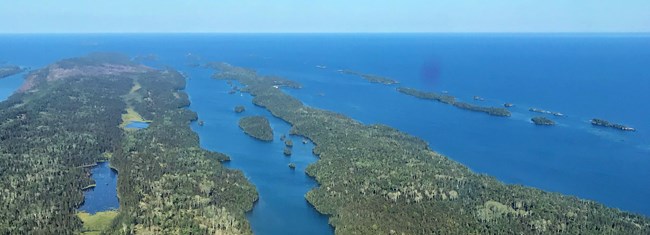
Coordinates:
[103,196]
[281,208]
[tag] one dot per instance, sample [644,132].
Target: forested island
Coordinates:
[68,115]
[542,121]
[258,127]
[240,109]
[371,78]
[604,123]
[9,70]
[451,100]
[377,180]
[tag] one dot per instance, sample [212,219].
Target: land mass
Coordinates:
[451,100]
[371,78]
[377,180]
[258,127]
[604,123]
[9,70]
[68,115]
[542,121]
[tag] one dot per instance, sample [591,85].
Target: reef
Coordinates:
[543,121]
[257,126]
[377,180]
[371,78]
[448,99]
[604,123]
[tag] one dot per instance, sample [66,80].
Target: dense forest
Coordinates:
[67,116]
[257,126]
[451,100]
[377,180]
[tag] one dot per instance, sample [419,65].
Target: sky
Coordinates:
[321,16]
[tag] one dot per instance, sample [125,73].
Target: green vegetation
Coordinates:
[96,223]
[8,70]
[542,121]
[240,109]
[371,78]
[604,123]
[257,126]
[377,180]
[68,117]
[167,183]
[448,99]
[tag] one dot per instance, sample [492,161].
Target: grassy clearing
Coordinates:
[98,222]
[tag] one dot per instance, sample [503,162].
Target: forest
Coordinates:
[257,126]
[51,131]
[377,180]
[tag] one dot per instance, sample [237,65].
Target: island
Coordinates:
[536,110]
[604,123]
[508,105]
[371,78]
[292,166]
[240,109]
[67,115]
[542,121]
[288,143]
[9,70]
[374,179]
[257,127]
[287,151]
[448,99]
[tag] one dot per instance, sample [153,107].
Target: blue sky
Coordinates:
[97,16]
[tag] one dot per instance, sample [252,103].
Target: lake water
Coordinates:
[103,196]
[137,125]
[584,76]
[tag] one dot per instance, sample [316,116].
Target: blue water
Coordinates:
[137,125]
[9,85]
[103,196]
[583,76]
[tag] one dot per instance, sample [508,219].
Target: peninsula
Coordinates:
[377,180]
[67,116]
[9,70]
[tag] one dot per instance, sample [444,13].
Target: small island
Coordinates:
[542,121]
[604,123]
[287,151]
[258,127]
[288,143]
[240,109]
[536,110]
[371,78]
[292,166]
[448,99]
[508,105]
[6,71]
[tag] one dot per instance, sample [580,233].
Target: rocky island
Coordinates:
[378,180]
[258,127]
[542,121]
[448,99]
[9,70]
[240,109]
[604,123]
[536,110]
[371,78]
